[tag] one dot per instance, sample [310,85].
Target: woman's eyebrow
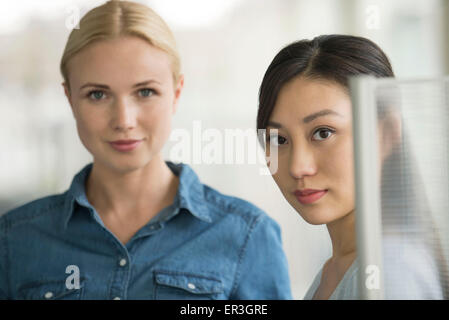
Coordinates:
[321,113]
[274,124]
[309,118]
[104,86]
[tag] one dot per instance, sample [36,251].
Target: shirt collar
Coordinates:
[190,191]
[190,195]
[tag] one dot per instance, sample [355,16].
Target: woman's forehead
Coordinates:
[302,97]
[123,59]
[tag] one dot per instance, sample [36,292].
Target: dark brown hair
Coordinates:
[329,57]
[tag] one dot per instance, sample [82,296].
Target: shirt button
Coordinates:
[191,286]
[117,298]
[122,262]
[48,295]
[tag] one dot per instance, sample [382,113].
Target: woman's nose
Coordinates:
[302,162]
[123,115]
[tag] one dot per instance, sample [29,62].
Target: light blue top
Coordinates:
[409,273]
[346,289]
[205,245]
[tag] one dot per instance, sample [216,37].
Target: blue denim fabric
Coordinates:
[205,245]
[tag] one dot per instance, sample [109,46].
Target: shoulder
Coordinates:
[214,205]
[32,210]
[314,286]
[222,205]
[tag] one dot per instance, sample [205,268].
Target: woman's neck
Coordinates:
[146,189]
[342,234]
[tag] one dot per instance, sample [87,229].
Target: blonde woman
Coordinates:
[131,225]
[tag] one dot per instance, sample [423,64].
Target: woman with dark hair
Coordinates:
[305,108]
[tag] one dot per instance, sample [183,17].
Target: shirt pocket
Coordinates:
[186,286]
[50,290]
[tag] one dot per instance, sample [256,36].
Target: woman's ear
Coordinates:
[178,90]
[66,90]
[390,134]
[68,95]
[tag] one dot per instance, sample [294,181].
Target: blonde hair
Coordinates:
[121,18]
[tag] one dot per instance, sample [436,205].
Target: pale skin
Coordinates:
[136,99]
[316,152]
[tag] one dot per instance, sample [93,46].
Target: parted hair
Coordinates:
[117,18]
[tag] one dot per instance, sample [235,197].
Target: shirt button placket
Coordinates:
[191,286]
[122,274]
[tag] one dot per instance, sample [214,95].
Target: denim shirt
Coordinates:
[205,245]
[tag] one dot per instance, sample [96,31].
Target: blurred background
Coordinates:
[225,47]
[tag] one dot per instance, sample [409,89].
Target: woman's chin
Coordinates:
[315,218]
[123,165]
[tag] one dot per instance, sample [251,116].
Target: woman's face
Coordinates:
[122,89]
[315,148]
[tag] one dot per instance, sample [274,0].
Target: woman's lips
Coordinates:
[307,197]
[125,146]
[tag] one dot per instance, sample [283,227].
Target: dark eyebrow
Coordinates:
[103,86]
[321,113]
[309,118]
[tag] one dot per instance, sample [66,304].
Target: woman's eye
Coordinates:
[276,140]
[322,134]
[95,95]
[146,92]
